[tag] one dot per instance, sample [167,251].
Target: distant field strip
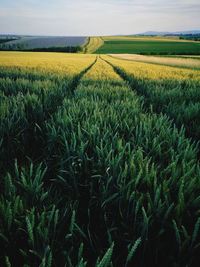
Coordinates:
[148,46]
[169,61]
[94,44]
[145,38]
[188,56]
[45,42]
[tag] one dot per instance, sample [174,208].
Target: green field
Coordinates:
[153,47]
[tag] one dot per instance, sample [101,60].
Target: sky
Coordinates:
[97,17]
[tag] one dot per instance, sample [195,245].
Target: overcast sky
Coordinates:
[97,17]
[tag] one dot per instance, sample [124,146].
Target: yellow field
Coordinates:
[102,71]
[72,64]
[169,61]
[69,64]
[153,71]
[145,38]
[94,44]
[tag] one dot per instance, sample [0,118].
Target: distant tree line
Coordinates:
[192,37]
[12,47]
[5,40]
[67,49]
[24,48]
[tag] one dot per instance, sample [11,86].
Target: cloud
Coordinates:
[95,17]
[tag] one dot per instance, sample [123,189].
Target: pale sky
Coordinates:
[95,17]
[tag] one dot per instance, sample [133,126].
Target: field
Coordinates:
[99,160]
[188,62]
[151,45]
[104,45]
[46,42]
[94,44]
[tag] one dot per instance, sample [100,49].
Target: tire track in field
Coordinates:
[77,78]
[123,76]
[136,87]
[140,92]
[69,90]
[34,133]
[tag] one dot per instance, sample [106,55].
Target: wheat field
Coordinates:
[99,160]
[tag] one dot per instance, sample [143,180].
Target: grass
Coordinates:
[99,162]
[149,46]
